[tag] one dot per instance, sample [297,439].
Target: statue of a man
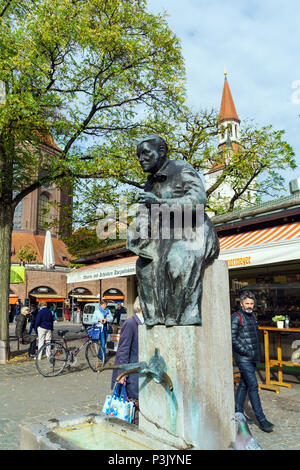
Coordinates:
[170,269]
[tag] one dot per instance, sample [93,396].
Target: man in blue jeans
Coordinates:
[246,352]
[103,315]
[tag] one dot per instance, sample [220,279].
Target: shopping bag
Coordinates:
[109,407]
[118,406]
[126,411]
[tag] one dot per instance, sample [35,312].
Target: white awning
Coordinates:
[261,247]
[106,270]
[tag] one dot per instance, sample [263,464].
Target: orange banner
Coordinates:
[50,299]
[113,297]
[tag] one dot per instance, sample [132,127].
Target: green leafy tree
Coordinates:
[253,170]
[78,71]
[82,240]
[26,254]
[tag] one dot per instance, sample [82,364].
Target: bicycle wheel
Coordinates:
[51,359]
[95,355]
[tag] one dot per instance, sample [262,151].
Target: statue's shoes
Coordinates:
[170,322]
[151,322]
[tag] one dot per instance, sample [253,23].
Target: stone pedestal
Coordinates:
[198,412]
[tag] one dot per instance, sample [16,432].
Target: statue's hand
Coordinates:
[148,198]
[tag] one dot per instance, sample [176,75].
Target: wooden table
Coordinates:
[275,384]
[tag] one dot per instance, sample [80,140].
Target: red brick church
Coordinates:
[30,219]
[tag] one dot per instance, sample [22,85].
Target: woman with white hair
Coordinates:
[21,334]
[128,351]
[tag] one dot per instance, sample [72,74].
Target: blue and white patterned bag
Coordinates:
[118,406]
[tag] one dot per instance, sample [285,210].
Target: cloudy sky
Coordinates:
[258,42]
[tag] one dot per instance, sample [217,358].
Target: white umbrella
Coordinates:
[48,258]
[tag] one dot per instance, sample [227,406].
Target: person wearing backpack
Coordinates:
[246,353]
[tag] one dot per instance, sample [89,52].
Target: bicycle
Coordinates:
[53,356]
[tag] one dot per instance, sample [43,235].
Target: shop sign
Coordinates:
[105,273]
[239,261]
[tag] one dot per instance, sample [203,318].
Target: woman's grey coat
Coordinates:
[127,353]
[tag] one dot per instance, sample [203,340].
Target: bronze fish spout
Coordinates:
[155,369]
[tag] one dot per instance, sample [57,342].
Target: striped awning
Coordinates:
[262,236]
[263,246]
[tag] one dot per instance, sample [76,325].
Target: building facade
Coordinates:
[31,217]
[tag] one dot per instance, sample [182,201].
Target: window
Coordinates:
[18,216]
[42,290]
[43,215]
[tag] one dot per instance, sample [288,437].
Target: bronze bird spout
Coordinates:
[155,368]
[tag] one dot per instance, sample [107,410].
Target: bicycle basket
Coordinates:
[94,333]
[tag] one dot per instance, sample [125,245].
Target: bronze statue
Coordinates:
[170,268]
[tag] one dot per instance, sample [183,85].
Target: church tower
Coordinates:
[228,122]
[34,213]
[229,141]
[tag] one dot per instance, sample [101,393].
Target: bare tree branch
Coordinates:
[5,8]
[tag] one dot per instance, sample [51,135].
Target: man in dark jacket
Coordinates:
[120,310]
[246,352]
[21,334]
[33,315]
[128,351]
[18,309]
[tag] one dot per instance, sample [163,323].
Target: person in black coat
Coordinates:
[246,352]
[33,315]
[19,305]
[120,310]
[21,334]
[128,351]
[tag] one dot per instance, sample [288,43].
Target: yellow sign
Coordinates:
[239,261]
[17,274]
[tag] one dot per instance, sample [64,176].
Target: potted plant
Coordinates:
[279,319]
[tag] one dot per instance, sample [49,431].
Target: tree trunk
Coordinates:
[7,153]
[6,214]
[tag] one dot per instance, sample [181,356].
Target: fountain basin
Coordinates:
[88,432]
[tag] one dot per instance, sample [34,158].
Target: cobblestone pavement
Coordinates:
[283,410]
[27,397]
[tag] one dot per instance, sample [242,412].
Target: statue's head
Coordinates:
[152,152]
